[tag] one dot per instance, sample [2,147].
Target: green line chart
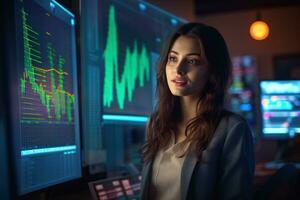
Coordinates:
[136,67]
[42,83]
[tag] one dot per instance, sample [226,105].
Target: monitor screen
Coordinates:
[131,37]
[280,108]
[44,100]
[243,91]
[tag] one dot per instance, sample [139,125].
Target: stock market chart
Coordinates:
[46,133]
[132,38]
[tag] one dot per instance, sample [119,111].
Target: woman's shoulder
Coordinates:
[232,119]
[236,126]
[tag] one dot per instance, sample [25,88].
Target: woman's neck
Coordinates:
[188,107]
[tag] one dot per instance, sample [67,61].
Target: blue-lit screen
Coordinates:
[44,96]
[280,108]
[243,91]
[131,37]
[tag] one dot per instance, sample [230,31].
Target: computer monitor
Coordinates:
[43,95]
[131,38]
[243,90]
[280,108]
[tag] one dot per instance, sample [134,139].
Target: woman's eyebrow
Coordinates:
[189,54]
[193,54]
[172,51]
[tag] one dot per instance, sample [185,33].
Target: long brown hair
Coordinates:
[200,129]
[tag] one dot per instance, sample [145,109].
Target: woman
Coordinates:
[195,149]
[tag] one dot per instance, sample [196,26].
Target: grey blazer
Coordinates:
[226,170]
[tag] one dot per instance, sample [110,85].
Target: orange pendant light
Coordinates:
[259,29]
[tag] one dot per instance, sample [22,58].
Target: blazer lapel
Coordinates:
[146,173]
[186,173]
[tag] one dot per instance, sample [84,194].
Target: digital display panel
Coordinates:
[243,91]
[280,108]
[132,35]
[44,96]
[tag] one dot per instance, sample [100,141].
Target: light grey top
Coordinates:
[166,172]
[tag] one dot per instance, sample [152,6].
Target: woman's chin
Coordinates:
[180,93]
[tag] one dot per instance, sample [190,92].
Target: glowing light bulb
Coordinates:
[259,30]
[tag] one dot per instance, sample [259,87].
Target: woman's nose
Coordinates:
[181,67]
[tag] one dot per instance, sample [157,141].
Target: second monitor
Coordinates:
[280,108]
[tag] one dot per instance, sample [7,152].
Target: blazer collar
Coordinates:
[186,172]
[146,174]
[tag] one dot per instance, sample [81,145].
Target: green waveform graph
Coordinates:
[43,96]
[136,67]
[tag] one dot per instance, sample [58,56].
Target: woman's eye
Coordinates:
[172,59]
[193,61]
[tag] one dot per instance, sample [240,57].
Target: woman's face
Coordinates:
[186,68]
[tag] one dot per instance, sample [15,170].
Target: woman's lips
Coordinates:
[179,82]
